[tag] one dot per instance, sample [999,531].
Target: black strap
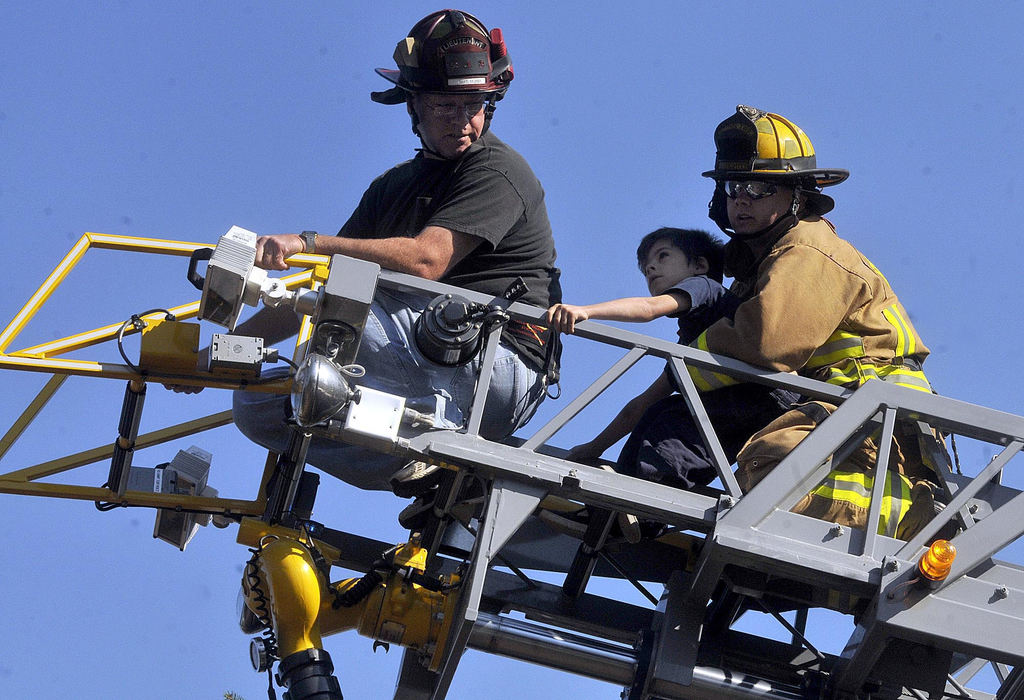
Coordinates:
[552,357]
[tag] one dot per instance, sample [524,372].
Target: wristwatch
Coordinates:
[308,241]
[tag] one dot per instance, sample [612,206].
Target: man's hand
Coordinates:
[271,251]
[563,317]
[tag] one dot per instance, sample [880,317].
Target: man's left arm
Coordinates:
[429,254]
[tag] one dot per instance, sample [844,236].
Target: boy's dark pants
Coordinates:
[665,446]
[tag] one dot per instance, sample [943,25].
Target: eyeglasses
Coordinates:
[755,189]
[449,110]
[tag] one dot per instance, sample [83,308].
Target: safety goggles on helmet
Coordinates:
[452,110]
[755,189]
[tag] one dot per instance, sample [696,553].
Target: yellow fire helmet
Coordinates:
[757,145]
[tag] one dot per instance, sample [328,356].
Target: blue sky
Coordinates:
[179,120]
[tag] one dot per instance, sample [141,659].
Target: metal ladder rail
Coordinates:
[749,512]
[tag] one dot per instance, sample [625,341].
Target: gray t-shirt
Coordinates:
[709,301]
[490,193]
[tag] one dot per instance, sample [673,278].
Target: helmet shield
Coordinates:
[448,52]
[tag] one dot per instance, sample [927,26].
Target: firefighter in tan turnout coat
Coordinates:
[811,303]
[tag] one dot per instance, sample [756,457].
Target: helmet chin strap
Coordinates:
[783,224]
[489,109]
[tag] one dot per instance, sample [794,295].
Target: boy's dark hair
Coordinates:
[696,243]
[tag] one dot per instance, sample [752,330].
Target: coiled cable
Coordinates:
[262,612]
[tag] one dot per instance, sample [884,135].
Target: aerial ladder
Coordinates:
[928,613]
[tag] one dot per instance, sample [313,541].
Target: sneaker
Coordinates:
[574,523]
[629,525]
[468,506]
[415,479]
[414,516]
[571,523]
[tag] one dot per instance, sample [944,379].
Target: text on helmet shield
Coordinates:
[460,40]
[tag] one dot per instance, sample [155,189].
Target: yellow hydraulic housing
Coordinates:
[303,606]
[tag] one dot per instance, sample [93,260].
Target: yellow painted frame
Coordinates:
[46,358]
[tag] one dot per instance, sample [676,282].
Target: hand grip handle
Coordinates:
[194,277]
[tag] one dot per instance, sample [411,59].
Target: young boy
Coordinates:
[683,269]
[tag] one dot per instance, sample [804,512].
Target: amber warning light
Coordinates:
[937,561]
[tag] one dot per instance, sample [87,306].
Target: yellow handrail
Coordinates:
[45,357]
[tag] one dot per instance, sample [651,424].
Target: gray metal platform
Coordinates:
[740,552]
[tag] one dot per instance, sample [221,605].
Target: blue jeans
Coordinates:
[394,365]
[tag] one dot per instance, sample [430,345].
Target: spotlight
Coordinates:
[319,391]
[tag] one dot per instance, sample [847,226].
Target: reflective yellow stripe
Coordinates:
[899,502]
[906,344]
[875,270]
[901,338]
[854,487]
[840,346]
[851,374]
[703,379]
[905,376]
